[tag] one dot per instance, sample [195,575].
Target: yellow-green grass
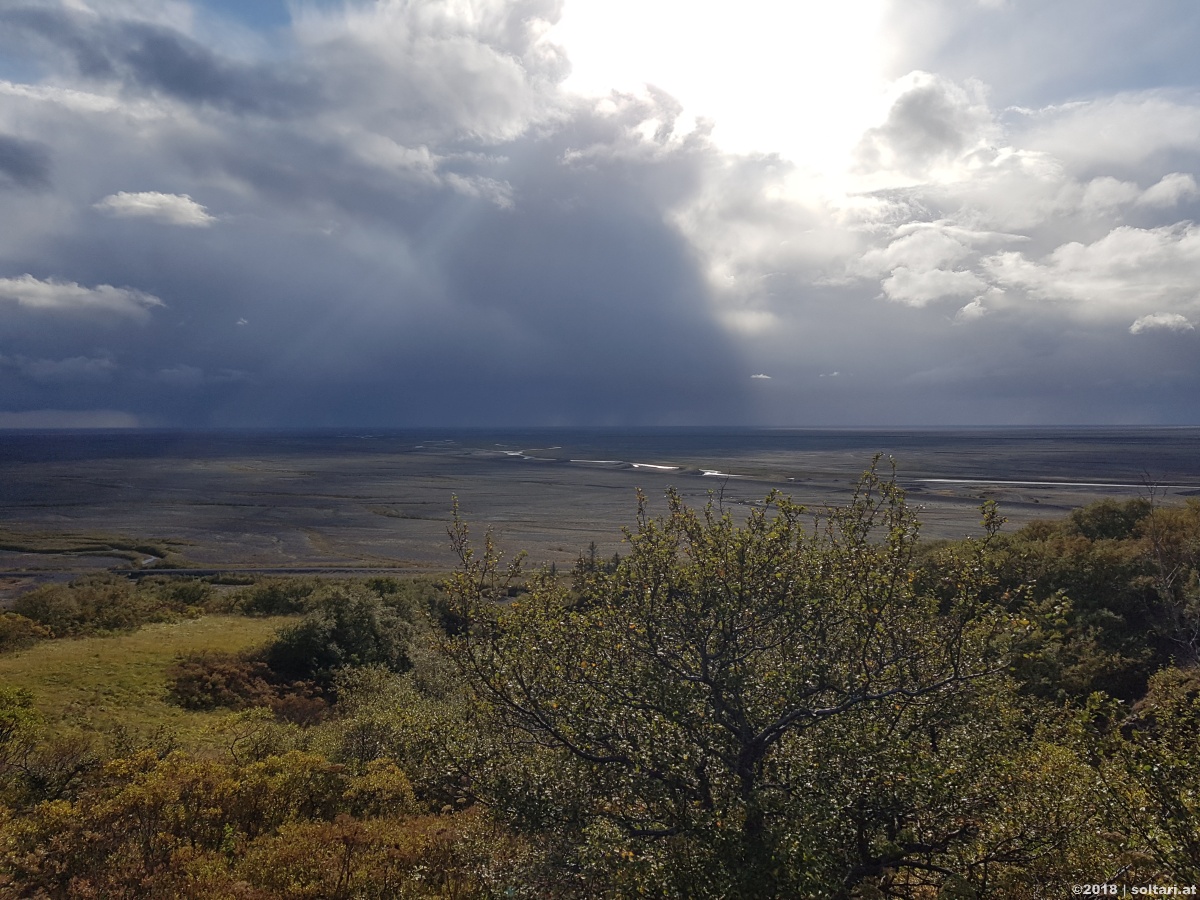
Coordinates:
[105,683]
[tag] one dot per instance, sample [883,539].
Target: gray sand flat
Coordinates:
[382,510]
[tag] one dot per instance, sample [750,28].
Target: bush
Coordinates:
[18,632]
[1110,519]
[96,603]
[220,681]
[279,597]
[207,681]
[1111,594]
[289,825]
[350,627]
[188,592]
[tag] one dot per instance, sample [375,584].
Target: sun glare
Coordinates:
[802,79]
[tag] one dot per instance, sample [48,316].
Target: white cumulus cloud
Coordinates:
[919,247]
[1170,190]
[917,288]
[1105,193]
[1123,130]
[973,310]
[1167,321]
[934,127]
[1122,273]
[34,293]
[173,209]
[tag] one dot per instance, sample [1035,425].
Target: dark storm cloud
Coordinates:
[150,57]
[577,303]
[394,214]
[592,297]
[358,275]
[161,60]
[24,163]
[28,27]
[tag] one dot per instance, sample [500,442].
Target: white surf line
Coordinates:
[1111,484]
[654,466]
[715,473]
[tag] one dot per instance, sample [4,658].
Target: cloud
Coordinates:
[1166,321]
[440,70]
[425,208]
[972,311]
[1093,245]
[1106,193]
[78,101]
[764,377]
[32,293]
[1124,272]
[157,58]
[921,246]
[1126,130]
[164,60]
[184,377]
[24,163]
[917,288]
[424,226]
[1170,190]
[1035,56]
[173,209]
[933,123]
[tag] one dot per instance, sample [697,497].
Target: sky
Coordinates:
[327,213]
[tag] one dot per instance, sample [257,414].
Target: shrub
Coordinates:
[94,604]
[18,632]
[219,681]
[348,628]
[188,592]
[279,597]
[207,681]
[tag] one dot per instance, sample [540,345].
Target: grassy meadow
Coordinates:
[103,683]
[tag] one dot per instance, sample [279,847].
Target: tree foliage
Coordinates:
[1112,593]
[346,628]
[767,707]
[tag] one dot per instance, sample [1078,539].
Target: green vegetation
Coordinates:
[348,628]
[99,604]
[1111,594]
[135,550]
[102,683]
[785,703]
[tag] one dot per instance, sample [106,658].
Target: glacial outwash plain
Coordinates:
[360,500]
